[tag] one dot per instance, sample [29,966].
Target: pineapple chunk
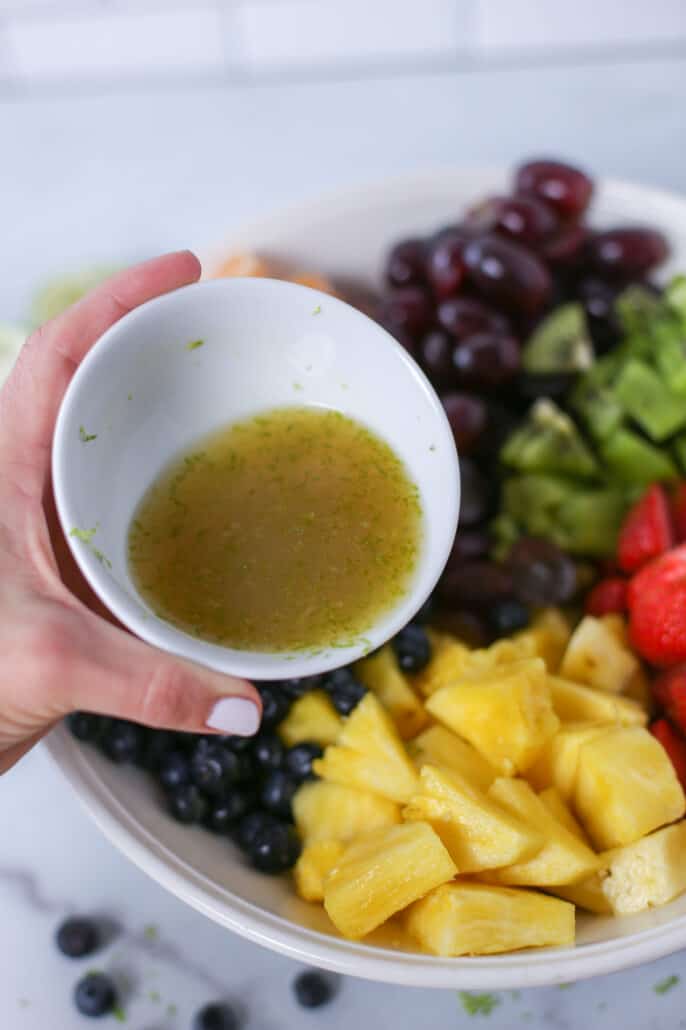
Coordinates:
[380,673]
[595,656]
[625,787]
[506,713]
[314,865]
[329,811]
[449,659]
[588,894]
[648,873]
[549,635]
[382,873]
[438,746]
[473,919]
[574,702]
[559,760]
[553,801]
[477,832]
[562,859]
[638,691]
[370,755]
[311,718]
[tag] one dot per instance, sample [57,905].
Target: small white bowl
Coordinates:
[145,392]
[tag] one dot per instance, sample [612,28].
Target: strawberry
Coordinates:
[657,609]
[675,746]
[607,597]
[669,692]
[647,530]
[679,511]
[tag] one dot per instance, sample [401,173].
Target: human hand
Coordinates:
[59,648]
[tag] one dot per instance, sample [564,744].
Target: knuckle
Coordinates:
[167,698]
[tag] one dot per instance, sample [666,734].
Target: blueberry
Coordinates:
[344,690]
[216,1016]
[174,770]
[84,725]
[226,811]
[250,826]
[214,767]
[277,793]
[412,648]
[267,751]
[77,938]
[156,746]
[246,769]
[238,744]
[295,688]
[275,704]
[312,989]
[298,760]
[95,995]
[506,617]
[274,847]
[187,804]
[122,741]
[426,612]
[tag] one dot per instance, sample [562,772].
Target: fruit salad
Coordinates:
[517,754]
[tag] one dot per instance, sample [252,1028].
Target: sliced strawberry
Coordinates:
[657,609]
[607,597]
[669,691]
[675,746]
[679,511]
[647,530]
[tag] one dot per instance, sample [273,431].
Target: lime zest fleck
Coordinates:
[172,1009]
[478,1004]
[84,535]
[85,437]
[317,310]
[297,386]
[154,996]
[102,558]
[119,1014]
[194,344]
[666,985]
[129,397]
[151,932]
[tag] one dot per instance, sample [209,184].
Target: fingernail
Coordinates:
[235,715]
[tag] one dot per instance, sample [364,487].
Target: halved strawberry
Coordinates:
[679,511]
[675,746]
[607,597]
[647,530]
[657,609]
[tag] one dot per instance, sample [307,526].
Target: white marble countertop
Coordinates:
[128,174]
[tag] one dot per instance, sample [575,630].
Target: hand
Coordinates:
[59,648]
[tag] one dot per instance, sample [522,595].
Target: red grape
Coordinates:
[567,189]
[507,274]
[468,417]
[445,268]
[435,354]
[405,263]
[464,316]
[469,545]
[542,573]
[627,253]
[407,308]
[522,219]
[475,584]
[486,360]
[475,499]
[566,249]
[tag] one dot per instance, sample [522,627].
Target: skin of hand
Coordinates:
[60,650]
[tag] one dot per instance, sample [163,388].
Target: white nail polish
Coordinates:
[234,715]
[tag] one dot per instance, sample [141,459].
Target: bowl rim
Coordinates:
[531,968]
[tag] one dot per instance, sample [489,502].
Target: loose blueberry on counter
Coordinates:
[227,810]
[277,793]
[214,767]
[275,704]
[95,995]
[216,1016]
[344,689]
[507,617]
[412,648]
[84,725]
[77,937]
[298,760]
[174,770]
[267,751]
[312,989]
[274,848]
[122,741]
[187,804]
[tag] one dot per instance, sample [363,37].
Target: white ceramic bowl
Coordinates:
[145,395]
[347,233]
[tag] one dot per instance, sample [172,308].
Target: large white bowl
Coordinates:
[346,234]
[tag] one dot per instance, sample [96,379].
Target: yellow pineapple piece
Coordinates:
[574,702]
[557,764]
[370,755]
[330,811]
[383,872]
[626,787]
[449,658]
[311,718]
[648,873]
[438,746]
[549,634]
[380,673]
[562,859]
[314,865]
[588,894]
[554,802]
[617,626]
[474,919]
[477,832]
[638,691]
[596,657]
[505,712]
